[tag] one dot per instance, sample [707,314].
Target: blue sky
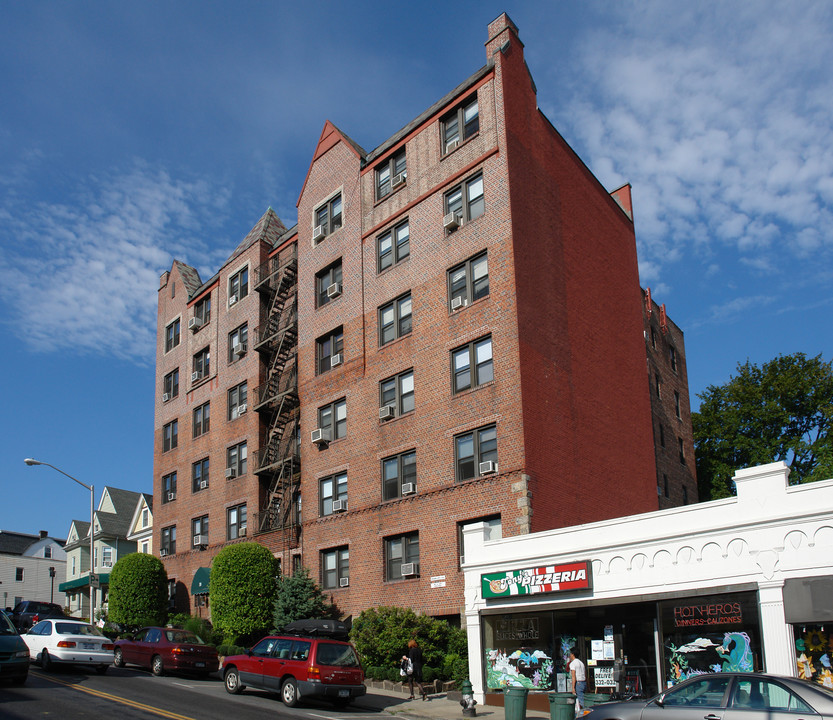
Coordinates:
[135,133]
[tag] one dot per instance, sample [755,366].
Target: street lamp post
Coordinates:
[91,488]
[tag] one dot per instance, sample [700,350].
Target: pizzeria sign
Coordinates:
[545,579]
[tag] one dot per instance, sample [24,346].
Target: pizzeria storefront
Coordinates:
[649,600]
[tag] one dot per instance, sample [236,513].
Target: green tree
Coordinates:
[138,591]
[780,411]
[298,597]
[242,590]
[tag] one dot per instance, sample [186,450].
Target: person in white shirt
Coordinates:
[578,677]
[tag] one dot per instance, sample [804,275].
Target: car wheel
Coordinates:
[45,660]
[232,680]
[289,692]
[101,669]
[118,658]
[156,666]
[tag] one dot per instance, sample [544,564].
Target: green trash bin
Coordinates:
[514,702]
[562,706]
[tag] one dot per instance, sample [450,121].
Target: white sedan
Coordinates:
[62,640]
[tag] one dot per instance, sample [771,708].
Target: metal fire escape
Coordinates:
[276,339]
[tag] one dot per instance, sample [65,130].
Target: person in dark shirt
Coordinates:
[415,656]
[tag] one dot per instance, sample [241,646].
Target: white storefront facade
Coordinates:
[742,583]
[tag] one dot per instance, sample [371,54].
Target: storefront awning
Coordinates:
[72,584]
[199,585]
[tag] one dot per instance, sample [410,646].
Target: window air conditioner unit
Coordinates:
[239,349]
[399,179]
[166,397]
[339,506]
[408,488]
[232,300]
[242,532]
[488,467]
[458,302]
[171,496]
[321,436]
[196,376]
[319,233]
[203,484]
[336,359]
[386,412]
[200,540]
[408,569]
[163,552]
[107,563]
[334,290]
[241,409]
[231,473]
[344,582]
[451,145]
[452,221]
[195,323]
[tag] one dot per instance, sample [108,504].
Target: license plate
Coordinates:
[199,664]
[88,646]
[344,693]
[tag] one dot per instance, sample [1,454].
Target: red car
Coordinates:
[299,667]
[164,649]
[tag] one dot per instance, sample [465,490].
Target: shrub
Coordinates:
[298,597]
[242,590]
[138,591]
[227,649]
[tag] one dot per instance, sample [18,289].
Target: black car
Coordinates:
[727,696]
[28,612]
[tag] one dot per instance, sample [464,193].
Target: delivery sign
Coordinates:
[547,579]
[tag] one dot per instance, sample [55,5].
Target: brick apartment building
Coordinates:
[453,332]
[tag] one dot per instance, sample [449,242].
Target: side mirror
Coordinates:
[249,652]
[660,700]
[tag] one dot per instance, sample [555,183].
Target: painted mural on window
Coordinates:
[519,652]
[813,651]
[709,653]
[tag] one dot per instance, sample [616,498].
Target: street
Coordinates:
[128,694]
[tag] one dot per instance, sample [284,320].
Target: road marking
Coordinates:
[116,698]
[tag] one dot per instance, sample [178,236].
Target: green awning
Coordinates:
[199,585]
[72,584]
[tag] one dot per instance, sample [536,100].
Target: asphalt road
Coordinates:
[128,694]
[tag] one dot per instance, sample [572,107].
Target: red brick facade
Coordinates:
[567,392]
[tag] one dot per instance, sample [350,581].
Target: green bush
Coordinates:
[298,597]
[242,590]
[429,674]
[138,591]
[226,649]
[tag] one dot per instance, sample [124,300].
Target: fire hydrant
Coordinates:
[468,702]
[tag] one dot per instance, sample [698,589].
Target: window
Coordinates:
[335,568]
[238,286]
[202,419]
[466,201]
[395,319]
[685,495]
[393,246]
[398,393]
[653,338]
[169,488]
[658,384]
[472,365]
[461,124]
[328,283]
[170,435]
[332,489]
[199,475]
[170,385]
[18,574]
[468,282]
[333,419]
[199,529]
[168,542]
[665,484]
[145,517]
[402,550]
[327,348]
[473,448]
[397,471]
[107,556]
[672,356]
[47,551]
[202,365]
[238,342]
[172,335]
[682,450]
[767,697]
[237,401]
[236,522]
[145,547]
[677,405]
[236,460]
[202,311]
[328,217]
[662,435]
[390,174]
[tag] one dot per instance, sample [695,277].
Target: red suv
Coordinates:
[311,659]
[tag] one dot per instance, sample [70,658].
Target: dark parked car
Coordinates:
[727,696]
[28,612]
[14,655]
[309,660]
[164,649]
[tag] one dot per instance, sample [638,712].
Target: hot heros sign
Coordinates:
[547,579]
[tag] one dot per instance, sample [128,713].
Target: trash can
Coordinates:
[514,702]
[562,706]
[591,699]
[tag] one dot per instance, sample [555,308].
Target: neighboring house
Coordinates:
[141,526]
[31,567]
[112,520]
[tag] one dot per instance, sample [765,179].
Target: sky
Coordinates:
[135,133]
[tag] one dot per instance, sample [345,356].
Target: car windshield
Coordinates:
[6,627]
[336,654]
[65,628]
[183,636]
